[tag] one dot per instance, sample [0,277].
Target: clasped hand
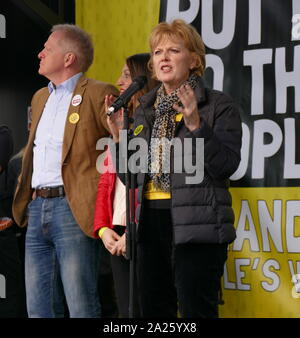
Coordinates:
[114,243]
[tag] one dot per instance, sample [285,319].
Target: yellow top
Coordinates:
[151,193]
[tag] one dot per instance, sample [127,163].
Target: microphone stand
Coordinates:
[130,219]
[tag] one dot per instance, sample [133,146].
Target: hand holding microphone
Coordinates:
[137,84]
[115,112]
[115,121]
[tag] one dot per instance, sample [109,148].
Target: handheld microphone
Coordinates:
[137,84]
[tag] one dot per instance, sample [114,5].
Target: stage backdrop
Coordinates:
[119,28]
[253,54]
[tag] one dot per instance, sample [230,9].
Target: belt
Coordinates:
[49,192]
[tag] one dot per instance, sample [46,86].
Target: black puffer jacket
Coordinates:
[201,212]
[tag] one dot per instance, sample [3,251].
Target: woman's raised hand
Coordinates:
[189,110]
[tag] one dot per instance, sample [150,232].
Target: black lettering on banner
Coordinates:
[252,55]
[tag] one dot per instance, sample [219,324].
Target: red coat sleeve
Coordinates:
[104,202]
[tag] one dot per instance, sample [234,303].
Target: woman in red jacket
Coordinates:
[110,210]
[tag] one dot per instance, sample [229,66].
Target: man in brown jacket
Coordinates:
[57,187]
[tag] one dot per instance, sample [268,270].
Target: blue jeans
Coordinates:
[60,261]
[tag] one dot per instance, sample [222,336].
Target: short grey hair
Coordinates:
[79,42]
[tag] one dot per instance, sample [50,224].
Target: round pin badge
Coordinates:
[74,118]
[76,100]
[138,129]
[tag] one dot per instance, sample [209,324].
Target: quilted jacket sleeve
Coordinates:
[222,140]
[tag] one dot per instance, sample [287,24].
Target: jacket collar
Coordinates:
[68,85]
[71,127]
[82,81]
[149,98]
[200,90]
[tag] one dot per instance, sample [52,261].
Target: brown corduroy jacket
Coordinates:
[79,154]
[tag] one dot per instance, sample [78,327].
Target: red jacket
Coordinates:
[105,200]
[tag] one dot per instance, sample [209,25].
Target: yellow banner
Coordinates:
[261,274]
[263,268]
[119,28]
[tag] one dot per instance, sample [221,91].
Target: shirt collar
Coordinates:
[68,85]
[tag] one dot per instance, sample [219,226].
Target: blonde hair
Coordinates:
[79,42]
[179,29]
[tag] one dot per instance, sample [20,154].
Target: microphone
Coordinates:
[137,84]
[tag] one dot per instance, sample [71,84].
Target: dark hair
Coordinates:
[138,65]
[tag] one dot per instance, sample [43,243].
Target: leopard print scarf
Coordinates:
[163,132]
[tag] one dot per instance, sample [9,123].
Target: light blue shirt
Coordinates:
[48,142]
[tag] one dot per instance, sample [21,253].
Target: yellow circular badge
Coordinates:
[138,129]
[74,118]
